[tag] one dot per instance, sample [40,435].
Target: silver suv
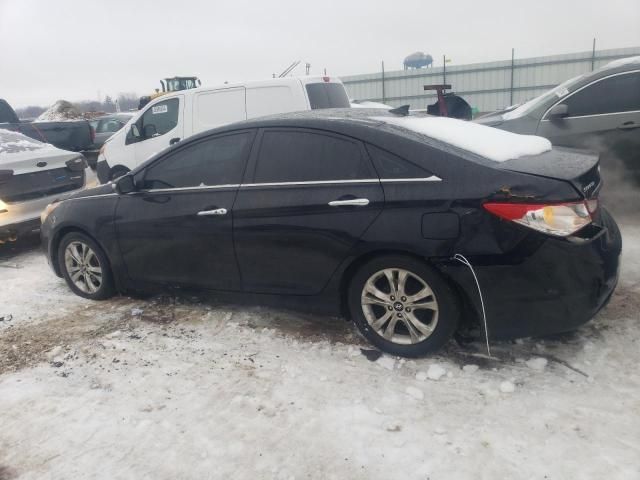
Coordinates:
[599,110]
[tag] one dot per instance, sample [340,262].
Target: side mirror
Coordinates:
[558,112]
[135,131]
[124,185]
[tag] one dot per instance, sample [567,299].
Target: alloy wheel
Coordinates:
[83,267]
[399,306]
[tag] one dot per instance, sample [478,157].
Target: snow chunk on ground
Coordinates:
[470,368]
[436,372]
[537,363]
[421,376]
[387,362]
[491,143]
[415,393]
[507,387]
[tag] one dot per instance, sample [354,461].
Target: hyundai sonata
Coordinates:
[409,225]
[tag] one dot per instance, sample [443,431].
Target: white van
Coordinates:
[176,116]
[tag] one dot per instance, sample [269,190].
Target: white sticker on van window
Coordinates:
[159,109]
[561,92]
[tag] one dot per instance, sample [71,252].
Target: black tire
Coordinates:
[117,172]
[443,320]
[106,288]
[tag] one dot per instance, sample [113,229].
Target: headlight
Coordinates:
[3,207]
[47,210]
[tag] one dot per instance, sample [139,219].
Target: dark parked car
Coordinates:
[104,127]
[360,212]
[75,135]
[599,110]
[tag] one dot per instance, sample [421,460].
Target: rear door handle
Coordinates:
[174,140]
[629,126]
[217,211]
[358,202]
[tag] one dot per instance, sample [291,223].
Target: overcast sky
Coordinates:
[77,49]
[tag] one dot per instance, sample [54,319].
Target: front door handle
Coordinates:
[217,211]
[358,202]
[629,126]
[174,140]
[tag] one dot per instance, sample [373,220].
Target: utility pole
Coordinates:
[384,97]
[444,69]
[593,55]
[512,66]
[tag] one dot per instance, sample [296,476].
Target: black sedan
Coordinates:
[410,225]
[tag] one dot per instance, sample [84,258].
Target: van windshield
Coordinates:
[327,95]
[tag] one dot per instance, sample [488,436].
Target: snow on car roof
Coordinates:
[621,62]
[14,142]
[488,142]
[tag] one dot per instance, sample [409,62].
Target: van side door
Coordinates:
[307,198]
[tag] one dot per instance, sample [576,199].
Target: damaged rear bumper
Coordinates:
[545,287]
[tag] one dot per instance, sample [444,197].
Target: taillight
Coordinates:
[326,79]
[562,219]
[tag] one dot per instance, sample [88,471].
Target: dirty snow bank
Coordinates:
[60,111]
[492,143]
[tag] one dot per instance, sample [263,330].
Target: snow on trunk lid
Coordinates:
[490,143]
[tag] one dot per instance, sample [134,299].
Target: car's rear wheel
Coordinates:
[403,306]
[85,267]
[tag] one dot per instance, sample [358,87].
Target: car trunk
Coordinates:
[37,170]
[579,168]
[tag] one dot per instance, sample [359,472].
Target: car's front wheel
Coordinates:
[85,267]
[403,306]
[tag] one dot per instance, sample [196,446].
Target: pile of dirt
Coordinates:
[61,111]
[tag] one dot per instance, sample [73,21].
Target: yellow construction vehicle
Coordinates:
[174,84]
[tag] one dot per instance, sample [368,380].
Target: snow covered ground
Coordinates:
[179,389]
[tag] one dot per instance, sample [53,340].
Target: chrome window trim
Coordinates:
[92,196]
[311,182]
[199,187]
[596,115]
[432,178]
[545,119]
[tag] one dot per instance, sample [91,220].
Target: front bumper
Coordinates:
[545,287]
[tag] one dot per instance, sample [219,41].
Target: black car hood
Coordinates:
[578,167]
[90,192]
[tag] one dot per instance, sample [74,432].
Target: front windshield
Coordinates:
[559,92]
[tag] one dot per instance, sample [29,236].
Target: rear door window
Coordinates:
[303,156]
[327,95]
[211,162]
[620,93]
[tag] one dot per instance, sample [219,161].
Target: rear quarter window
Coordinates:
[327,95]
[391,166]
